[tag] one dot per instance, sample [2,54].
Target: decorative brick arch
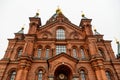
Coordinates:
[83,68]
[46,35]
[9,72]
[65,64]
[16,51]
[76,35]
[40,68]
[63,69]
[111,72]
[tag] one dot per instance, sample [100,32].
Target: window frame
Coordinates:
[101,52]
[82,52]
[40,75]
[39,52]
[74,52]
[60,34]
[47,52]
[108,75]
[19,52]
[82,75]
[12,74]
[60,49]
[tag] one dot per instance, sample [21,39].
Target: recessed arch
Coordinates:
[11,74]
[40,68]
[62,63]
[45,35]
[39,73]
[83,73]
[74,51]
[19,51]
[101,52]
[63,72]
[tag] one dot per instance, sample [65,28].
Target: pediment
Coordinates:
[48,31]
[63,57]
[59,20]
[73,31]
[58,23]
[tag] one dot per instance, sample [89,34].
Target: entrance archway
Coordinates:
[63,72]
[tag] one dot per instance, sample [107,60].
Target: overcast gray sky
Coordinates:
[105,15]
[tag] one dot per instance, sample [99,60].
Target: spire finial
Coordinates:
[95,30]
[37,13]
[117,41]
[118,47]
[83,15]
[21,31]
[58,10]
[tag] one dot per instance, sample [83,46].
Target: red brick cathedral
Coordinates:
[59,50]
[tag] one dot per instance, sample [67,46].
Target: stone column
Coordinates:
[92,47]
[53,49]
[19,74]
[97,72]
[23,68]
[103,74]
[98,66]
[25,74]
[96,69]
[75,78]
[51,77]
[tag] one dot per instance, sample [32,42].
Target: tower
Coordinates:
[59,50]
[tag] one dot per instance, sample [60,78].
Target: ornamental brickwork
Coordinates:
[59,50]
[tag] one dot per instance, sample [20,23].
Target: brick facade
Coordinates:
[86,56]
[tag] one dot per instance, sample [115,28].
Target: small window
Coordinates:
[100,52]
[40,75]
[82,53]
[60,49]
[82,75]
[20,52]
[60,34]
[12,76]
[108,74]
[47,53]
[74,53]
[39,52]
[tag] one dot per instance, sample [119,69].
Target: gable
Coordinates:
[71,31]
[63,57]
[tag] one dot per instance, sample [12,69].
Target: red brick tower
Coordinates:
[59,50]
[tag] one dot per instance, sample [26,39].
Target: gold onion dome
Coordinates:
[117,41]
[37,13]
[83,15]
[58,11]
[22,30]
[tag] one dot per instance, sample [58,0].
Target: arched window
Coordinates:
[108,74]
[40,74]
[39,52]
[60,34]
[12,75]
[74,53]
[100,52]
[82,75]
[47,53]
[82,53]
[20,52]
